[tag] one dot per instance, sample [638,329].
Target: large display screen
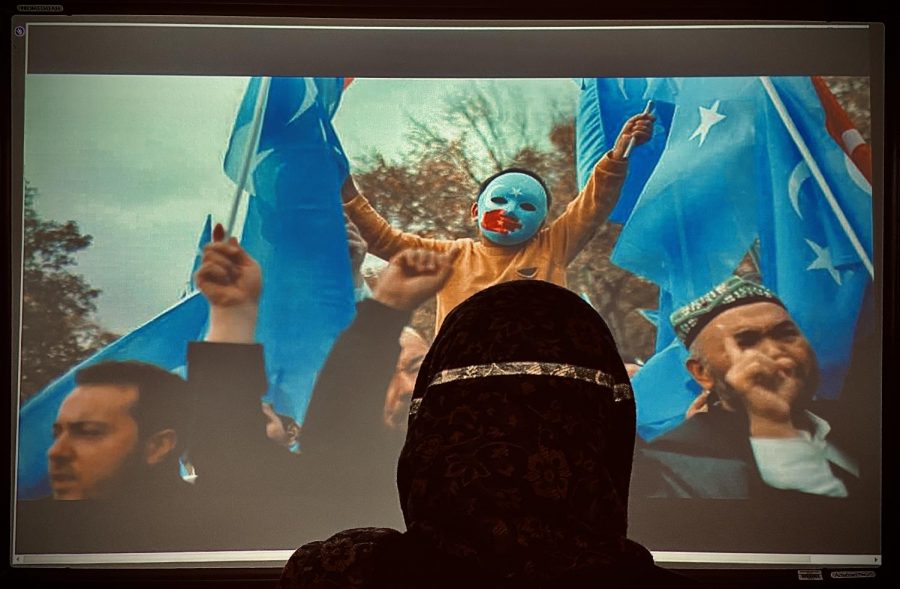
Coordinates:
[138,143]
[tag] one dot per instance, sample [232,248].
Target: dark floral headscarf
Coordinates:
[520,442]
[517,461]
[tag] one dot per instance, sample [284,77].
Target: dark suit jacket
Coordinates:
[255,494]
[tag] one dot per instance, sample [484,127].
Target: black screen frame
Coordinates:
[886,220]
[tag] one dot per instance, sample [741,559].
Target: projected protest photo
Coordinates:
[229,286]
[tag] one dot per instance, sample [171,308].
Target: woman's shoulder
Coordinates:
[346,559]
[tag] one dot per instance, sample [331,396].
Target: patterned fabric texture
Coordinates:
[621,391]
[510,478]
[689,320]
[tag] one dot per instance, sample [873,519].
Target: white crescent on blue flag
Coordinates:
[295,230]
[806,255]
[730,176]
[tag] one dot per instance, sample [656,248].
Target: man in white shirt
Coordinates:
[760,431]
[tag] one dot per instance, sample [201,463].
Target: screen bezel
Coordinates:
[745,58]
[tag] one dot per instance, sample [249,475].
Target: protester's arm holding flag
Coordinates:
[229,445]
[232,283]
[384,240]
[572,230]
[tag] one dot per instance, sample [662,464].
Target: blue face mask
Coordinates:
[511,208]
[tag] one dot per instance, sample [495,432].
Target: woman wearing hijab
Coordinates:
[517,460]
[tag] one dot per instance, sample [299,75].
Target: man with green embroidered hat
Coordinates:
[759,432]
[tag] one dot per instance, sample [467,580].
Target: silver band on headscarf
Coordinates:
[621,391]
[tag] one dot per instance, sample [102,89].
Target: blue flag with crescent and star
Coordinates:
[732,178]
[806,254]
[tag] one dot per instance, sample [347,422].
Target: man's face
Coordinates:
[511,209]
[95,438]
[739,334]
[396,402]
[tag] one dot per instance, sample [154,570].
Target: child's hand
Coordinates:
[640,127]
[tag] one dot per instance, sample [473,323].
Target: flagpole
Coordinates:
[816,173]
[250,154]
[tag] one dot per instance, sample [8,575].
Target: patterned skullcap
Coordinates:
[689,320]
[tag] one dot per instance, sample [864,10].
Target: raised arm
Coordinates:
[770,386]
[384,241]
[229,446]
[575,227]
[231,281]
[348,401]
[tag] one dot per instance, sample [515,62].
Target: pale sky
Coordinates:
[137,162]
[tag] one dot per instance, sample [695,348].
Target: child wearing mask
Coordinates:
[515,241]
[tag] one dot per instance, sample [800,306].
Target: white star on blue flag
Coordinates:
[709,117]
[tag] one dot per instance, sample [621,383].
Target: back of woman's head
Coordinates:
[521,434]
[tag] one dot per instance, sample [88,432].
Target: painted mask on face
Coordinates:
[512,208]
